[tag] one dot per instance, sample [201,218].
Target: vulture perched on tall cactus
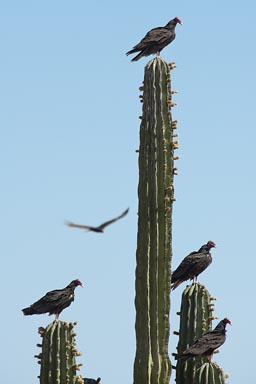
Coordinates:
[193,264]
[155,40]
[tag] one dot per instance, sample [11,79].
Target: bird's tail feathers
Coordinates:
[139,56]
[182,358]
[175,284]
[28,311]
[130,52]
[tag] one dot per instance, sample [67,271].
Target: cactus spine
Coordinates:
[196,315]
[154,252]
[58,356]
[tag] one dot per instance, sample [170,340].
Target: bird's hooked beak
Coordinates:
[79,282]
[227,321]
[178,20]
[211,244]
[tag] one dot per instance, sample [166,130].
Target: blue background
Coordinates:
[69,131]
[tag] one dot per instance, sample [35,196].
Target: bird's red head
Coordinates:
[211,244]
[178,20]
[78,282]
[227,321]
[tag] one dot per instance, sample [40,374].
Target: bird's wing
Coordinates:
[50,297]
[103,225]
[186,264]
[73,225]
[209,341]
[156,35]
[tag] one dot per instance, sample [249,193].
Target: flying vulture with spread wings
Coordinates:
[101,227]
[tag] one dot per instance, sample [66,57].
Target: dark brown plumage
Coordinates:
[193,264]
[92,381]
[206,345]
[101,227]
[155,40]
[54,301]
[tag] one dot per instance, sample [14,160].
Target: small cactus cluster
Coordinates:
[58,355]
[156,196]
[196,315]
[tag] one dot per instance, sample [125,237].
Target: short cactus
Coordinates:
[210,373]
[58,356]
[196,315]
[156,190]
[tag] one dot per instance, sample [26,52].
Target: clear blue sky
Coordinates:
[69,131]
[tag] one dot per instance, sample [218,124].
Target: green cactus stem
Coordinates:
[210,373]
[154,251]
[196,315]
[58,356]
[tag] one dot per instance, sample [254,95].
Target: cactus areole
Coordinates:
[155,192]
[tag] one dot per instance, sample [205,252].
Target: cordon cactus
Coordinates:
[196,315]
[154,252]
[58,356]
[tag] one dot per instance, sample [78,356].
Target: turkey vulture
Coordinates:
[155,40]
[102,226]
[54,301]
[206,345]
[92,381]
[193,264]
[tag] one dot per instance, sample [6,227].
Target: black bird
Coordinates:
[206,345]
[54,301]
[155,40]
[192,265]
[92,381]
[101,227]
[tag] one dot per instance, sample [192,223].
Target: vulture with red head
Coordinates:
[193,264]
[206,345]
[155,40]
[54,301]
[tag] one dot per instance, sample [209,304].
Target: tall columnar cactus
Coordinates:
[196,315]
[58,356]
[154,251]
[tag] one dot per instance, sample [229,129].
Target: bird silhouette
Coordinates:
[101,227]
[206,345]
[193,264]
[155,40]
[54,301]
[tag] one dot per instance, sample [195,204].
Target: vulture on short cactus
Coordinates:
[206,345]
[155,40]
[54,301]
[193,264]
